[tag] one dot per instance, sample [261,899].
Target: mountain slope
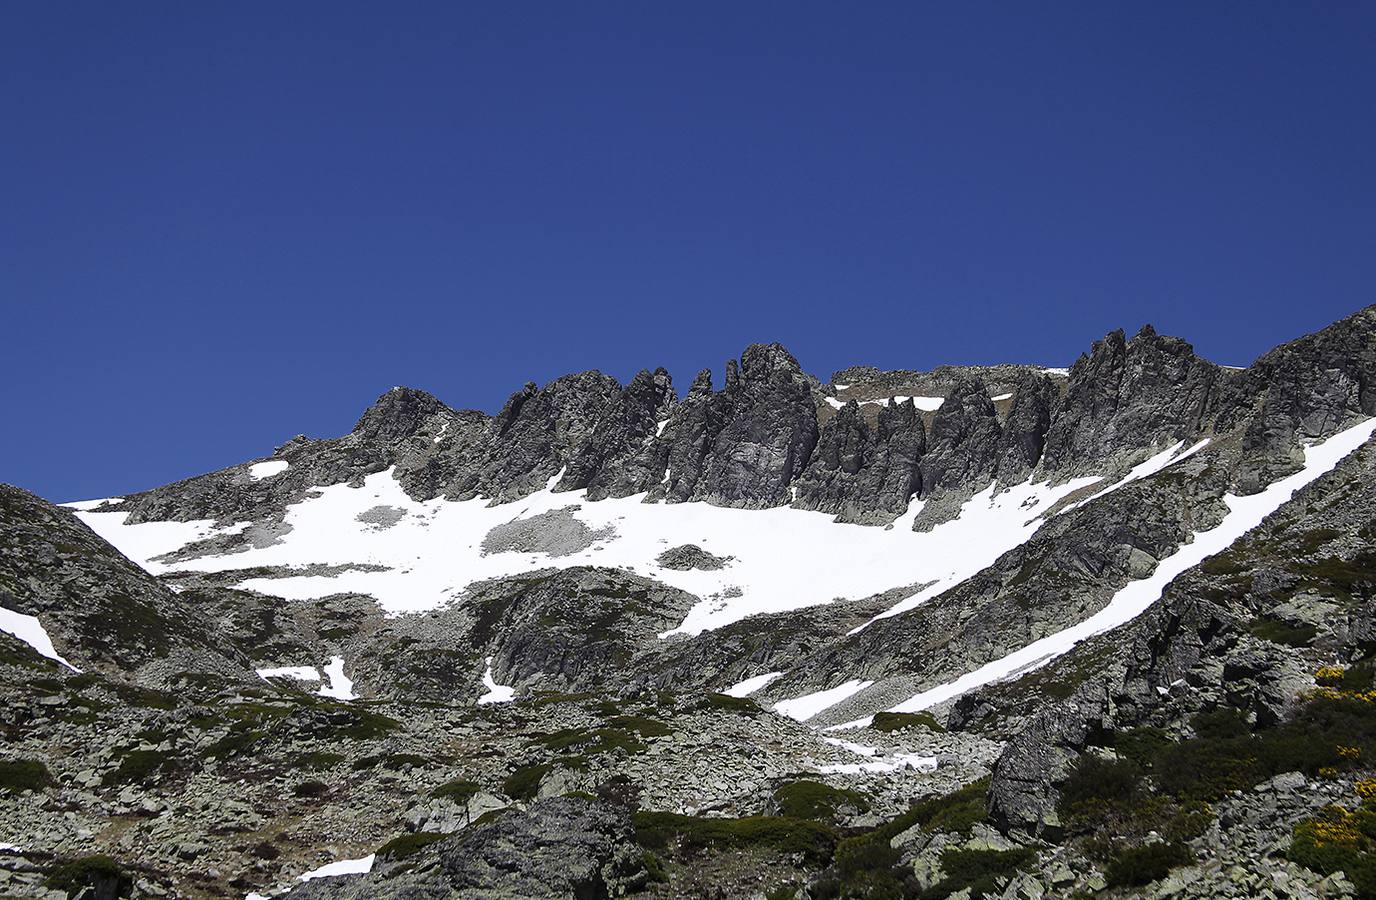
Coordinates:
[616,593]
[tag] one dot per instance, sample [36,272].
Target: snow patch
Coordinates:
[343,867]
[146,541]
[340,686]
[1244,514]
[29,630]
[750,685]
[659,428]
[784,558]
[926,404]
[300,673]
[1168,457]
[83,505]
[876,763]
[805,707]
[259,471]
[999,397]
[496,693]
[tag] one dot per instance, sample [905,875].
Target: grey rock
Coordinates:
[864,473]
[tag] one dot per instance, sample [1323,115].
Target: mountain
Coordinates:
[1003,631]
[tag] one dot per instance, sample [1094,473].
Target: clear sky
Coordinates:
[225,224]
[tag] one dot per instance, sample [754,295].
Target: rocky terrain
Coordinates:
[998,631]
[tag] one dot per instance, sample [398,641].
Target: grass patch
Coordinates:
[1135,866]
[524,783]
[641,725]
[460,790]
[978,871]
[817,801]
[725,703]
[592,741]
[100,872]
[892,721]
[408,845]
[19,775]
[139,766]
[317,760]
[1278,632]
[662,831]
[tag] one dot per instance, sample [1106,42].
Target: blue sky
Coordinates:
[224,224]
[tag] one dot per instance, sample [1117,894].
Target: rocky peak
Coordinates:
[397,415]
[1129,394]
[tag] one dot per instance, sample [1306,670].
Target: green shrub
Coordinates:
[892,721]
[592,741]
[233,744]
[311,789]
[459,790]
[957,811]
[1141,745]
[1283,633]
[979,871]
[1098,787]
[99,872]
[641,725]
[317,760]
[18,775]
[815,800]
[654,867]
[725,703]
[659,830]
[138,766]
[524,783]
[1135,866]
[406,845]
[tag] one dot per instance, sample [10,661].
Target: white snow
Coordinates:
[259,471]
[91,504]
[990,524]
[840,387]
[496,693]
[29,630]
[300,673]
[444,426]
[10,848]
[1001,397]
[1244,514]
[340,686]
[876,763]
[1055,371]
[1168,457]
[783,558]
[805,707]
[343,867]
[926,404]
[659,428]
[750,685]
[146,541]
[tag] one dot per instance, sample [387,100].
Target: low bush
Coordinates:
[660,831]
[18,775]
[138,766]
[725,703]
[891,721]
[103,874]
[406,845]
[524,783]
[815,800]
[978,871]
[459,790]
[1134,866]
[1098,788]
